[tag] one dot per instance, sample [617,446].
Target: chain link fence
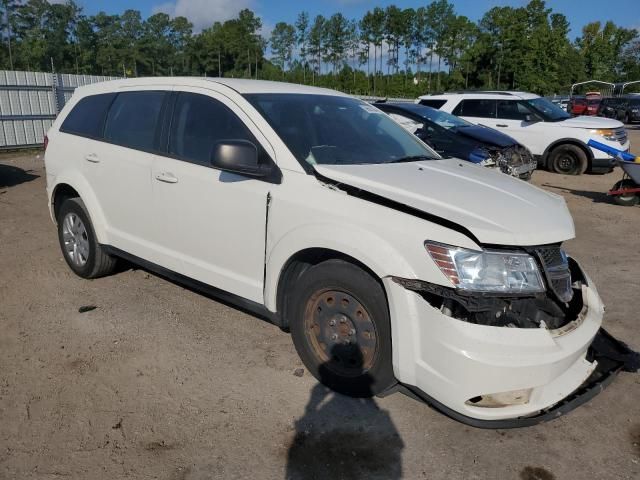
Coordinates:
[30,102]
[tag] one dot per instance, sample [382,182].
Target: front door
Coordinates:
[210,224]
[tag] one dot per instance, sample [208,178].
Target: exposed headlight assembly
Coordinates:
[487,270]
[607,134]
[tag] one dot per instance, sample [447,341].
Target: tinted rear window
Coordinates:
[87,117]
[433,103]
[476,108]
[133,118]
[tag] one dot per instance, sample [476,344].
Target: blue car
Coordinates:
[452,136]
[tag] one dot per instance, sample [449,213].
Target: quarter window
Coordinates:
[198,123]
[87,117]
[133,118]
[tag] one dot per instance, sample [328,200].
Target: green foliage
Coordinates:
[426,49]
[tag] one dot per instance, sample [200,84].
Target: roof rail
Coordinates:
[494,92]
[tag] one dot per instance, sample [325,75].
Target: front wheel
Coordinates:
[341,329]
[568,160]
[629,199]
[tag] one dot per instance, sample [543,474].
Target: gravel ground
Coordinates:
[156,381]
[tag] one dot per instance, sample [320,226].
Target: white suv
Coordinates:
[557,140]
[392,267]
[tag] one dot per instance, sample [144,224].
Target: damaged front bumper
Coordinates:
[610,356]
[500,376]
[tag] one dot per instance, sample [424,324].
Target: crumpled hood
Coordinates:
[486,135]
[496,208]
[591,122]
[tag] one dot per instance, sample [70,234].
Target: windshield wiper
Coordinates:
[412,158]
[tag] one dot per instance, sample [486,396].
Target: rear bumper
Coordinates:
[611,356]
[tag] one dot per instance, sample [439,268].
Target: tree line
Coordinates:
[390,51]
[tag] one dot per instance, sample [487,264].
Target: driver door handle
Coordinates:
[166,177]
[501,125]
[92,157]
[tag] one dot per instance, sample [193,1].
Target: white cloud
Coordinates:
[203,13]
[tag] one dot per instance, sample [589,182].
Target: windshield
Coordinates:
[549,110]
[444,119]
[327,129]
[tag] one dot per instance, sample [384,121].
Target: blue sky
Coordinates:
[204,12]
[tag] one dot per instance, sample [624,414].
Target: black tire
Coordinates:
[358,362]
[568,160]
[96,263]
[628,200]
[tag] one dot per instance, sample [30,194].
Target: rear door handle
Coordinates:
[92,157]
[166,177]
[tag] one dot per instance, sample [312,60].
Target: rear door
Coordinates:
[211,224]
[120,169]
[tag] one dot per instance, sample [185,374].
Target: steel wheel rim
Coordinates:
[340,332]
[567,162]
[75,239]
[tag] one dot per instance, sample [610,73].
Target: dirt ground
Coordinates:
[156,381]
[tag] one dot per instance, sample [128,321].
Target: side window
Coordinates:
[87,117]
[432,103]
[477,108]
[198,123]
[513,110]
[133,118]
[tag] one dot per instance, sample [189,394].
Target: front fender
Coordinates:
[381,257]
[80,184]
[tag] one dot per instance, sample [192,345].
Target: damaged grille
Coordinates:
[556,268]
[516,161]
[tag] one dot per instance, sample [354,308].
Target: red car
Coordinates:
[577,106]
[593,104]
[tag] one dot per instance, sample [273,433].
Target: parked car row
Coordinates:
[394,268]
[452,136]
[556,140]
[625,109]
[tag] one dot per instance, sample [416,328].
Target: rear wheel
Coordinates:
[78,242]
[629,199]
[568,160]
[340,327]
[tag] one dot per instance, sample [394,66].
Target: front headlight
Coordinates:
[607,134]
[486,270]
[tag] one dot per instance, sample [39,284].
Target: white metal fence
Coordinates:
[30,101]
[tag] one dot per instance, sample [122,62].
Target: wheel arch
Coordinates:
[76,186]
[292,255]
[567,141]
[302,260]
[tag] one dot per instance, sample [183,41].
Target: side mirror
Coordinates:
[238,156]
[531,118]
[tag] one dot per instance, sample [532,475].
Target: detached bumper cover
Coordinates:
[611,355]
